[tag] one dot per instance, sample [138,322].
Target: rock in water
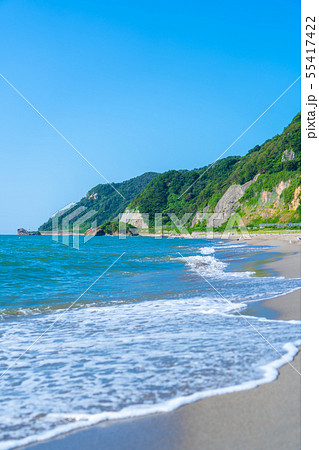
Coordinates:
[94,232]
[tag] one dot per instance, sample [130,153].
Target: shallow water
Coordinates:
[157,330]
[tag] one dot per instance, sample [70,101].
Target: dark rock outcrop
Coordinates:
[94,232]
[23,232]
[132,231]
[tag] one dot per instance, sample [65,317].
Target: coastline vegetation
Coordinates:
[274,196]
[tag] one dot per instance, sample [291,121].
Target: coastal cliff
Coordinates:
[264,186]
[104,202]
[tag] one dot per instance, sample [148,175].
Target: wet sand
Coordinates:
[267,417]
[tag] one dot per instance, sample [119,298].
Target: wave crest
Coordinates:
[210,266]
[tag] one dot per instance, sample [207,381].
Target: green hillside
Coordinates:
[273,196]
[163,192]
[105,201]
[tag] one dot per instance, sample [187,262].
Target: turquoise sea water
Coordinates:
[159,329]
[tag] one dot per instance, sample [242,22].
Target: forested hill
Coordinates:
[269,199]
[105,201]
[263,186]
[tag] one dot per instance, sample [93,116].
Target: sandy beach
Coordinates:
[267,417]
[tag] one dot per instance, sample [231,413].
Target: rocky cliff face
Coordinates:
[295,203]
[226,206]
[274,203]
[288,155]
[134,218]
[268,204]
[230,184]
[273,197]
[229,202]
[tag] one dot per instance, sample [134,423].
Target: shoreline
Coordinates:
[288,265]
[263,417]
[285,234]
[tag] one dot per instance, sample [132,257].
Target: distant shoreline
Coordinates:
[271,235]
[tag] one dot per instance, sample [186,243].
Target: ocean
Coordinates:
[121,328]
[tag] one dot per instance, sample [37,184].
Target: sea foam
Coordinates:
[149,337]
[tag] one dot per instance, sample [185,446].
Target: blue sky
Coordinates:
[136,86]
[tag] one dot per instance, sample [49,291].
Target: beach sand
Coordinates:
[267,417]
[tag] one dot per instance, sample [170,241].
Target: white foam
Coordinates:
[84,420]
[207,250]
[243,246]
[210,266]
[229,246]
[126,337]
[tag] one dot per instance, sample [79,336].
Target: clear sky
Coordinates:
[136,86]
